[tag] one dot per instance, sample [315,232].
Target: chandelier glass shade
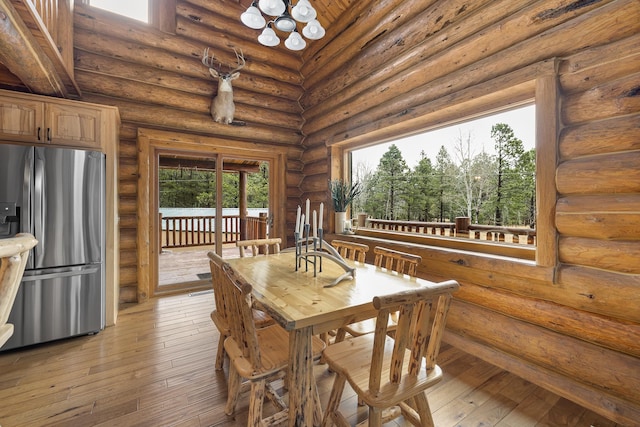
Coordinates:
[284,17]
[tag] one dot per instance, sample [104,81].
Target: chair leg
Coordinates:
[255,403]
[334,400]
[422,407]
[317,406]
[233,389]
[340,335]
[221,353]
[325,338]
[375,417]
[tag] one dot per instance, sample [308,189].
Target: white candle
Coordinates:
[315,223]
[307,212]
[298,220]
[302,226]
[321,215]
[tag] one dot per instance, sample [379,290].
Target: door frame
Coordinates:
[153,143]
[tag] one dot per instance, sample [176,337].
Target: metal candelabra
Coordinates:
[305,242]
[313,249]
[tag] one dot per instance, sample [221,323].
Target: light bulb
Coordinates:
[272,7]
[252,18]
[285,23]
[269,37]
[313,30]
[295,41]
[303,11]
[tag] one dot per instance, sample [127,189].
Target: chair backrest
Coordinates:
[400,262]
[217,278]
[351,250]
[239,300]
[14,252]
[415,332]
[271,245]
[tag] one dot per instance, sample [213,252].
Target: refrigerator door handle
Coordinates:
[34,277]
[39,205]
[26,210]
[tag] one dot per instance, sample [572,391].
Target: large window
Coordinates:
[482,170]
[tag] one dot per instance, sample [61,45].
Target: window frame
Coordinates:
[152,143]
[161,14]
[543,91]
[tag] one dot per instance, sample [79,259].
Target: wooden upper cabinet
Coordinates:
[21,119]
[73,125]
[29,119]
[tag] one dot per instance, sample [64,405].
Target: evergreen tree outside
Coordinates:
[423,189]
[185,187]
[445,176]
[195,188]
[390,181]
[509,149]
[258,197]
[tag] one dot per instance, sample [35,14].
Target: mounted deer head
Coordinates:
[222,106]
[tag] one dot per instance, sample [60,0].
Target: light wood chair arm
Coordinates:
[14,252]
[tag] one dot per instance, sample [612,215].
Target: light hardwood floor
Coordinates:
[156,368]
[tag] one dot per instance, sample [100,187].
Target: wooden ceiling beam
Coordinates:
[23,56]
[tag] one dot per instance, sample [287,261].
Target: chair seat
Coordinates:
[262,319]
[274,352]
[367,326]
[352,359]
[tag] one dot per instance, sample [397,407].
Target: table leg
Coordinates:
[302,387]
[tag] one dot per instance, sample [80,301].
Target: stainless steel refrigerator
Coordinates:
[58,195]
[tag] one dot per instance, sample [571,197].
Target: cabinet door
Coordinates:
[21,120]
[74,125]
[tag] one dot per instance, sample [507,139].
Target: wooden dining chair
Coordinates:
[257,355]
[392,260]
[390,375]
[347,250]
[220,315]
[14,252]
[271,245]
[351,250]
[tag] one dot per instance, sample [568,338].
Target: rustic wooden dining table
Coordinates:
[302,304]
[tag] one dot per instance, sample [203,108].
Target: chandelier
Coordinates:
[284,16]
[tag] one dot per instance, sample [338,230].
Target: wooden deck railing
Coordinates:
[434,228]
[460,228]
[185,231]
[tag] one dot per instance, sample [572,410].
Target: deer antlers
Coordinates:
[210,61]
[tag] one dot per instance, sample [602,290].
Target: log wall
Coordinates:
[571,320]
[157,81]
